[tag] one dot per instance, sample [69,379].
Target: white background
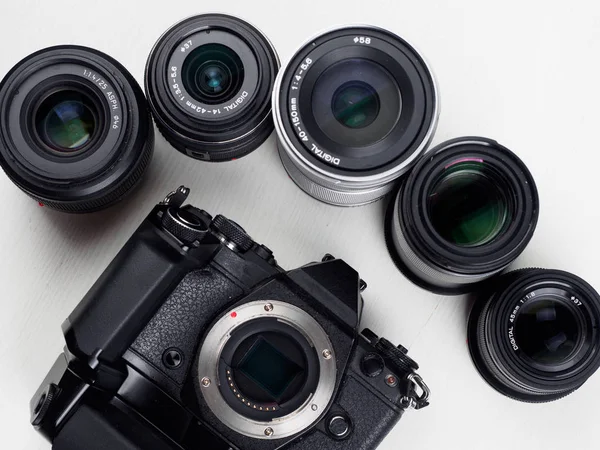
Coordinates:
[525,73]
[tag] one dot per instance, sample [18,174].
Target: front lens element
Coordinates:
[547,331]
[66,121]
[213,73]
[466,207]
[355,104]
[215,79]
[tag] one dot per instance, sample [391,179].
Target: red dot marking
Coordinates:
[41,204]
[233,315]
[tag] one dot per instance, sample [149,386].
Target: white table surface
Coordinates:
[526,73]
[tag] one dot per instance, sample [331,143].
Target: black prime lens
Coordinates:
[534,334]
[75,128]
[209,80]
[467,210]
[353,108]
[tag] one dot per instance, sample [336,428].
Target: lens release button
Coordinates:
[339,427]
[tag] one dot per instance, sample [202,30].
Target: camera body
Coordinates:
[195,338]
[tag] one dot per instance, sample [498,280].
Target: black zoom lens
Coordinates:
[209,81]
[465,212]
[75,129]
[535,336]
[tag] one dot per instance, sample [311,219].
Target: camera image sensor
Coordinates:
[209,80]
[465,212]
[353,108]
[534,334]
[269,368]
[75,129]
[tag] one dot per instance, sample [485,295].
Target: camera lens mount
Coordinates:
[267,365]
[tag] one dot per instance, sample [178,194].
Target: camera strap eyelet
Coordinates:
[418,396]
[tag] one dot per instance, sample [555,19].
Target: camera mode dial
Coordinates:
[186,224]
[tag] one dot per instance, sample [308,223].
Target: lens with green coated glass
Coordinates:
[466,207]
[209,81]
[76,134]
[466,211]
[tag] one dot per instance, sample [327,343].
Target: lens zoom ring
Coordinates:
[324,194]
[117,192]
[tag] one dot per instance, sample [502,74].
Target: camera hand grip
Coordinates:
[126,295]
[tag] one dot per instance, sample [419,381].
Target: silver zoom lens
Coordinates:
[353,109]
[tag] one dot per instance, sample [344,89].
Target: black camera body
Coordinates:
[194,338]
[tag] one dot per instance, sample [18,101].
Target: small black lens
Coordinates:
[355,104]
[76,133]
[466,207]
[209,81]
[66,121]
[534,335]
[547,331]
[213,73]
